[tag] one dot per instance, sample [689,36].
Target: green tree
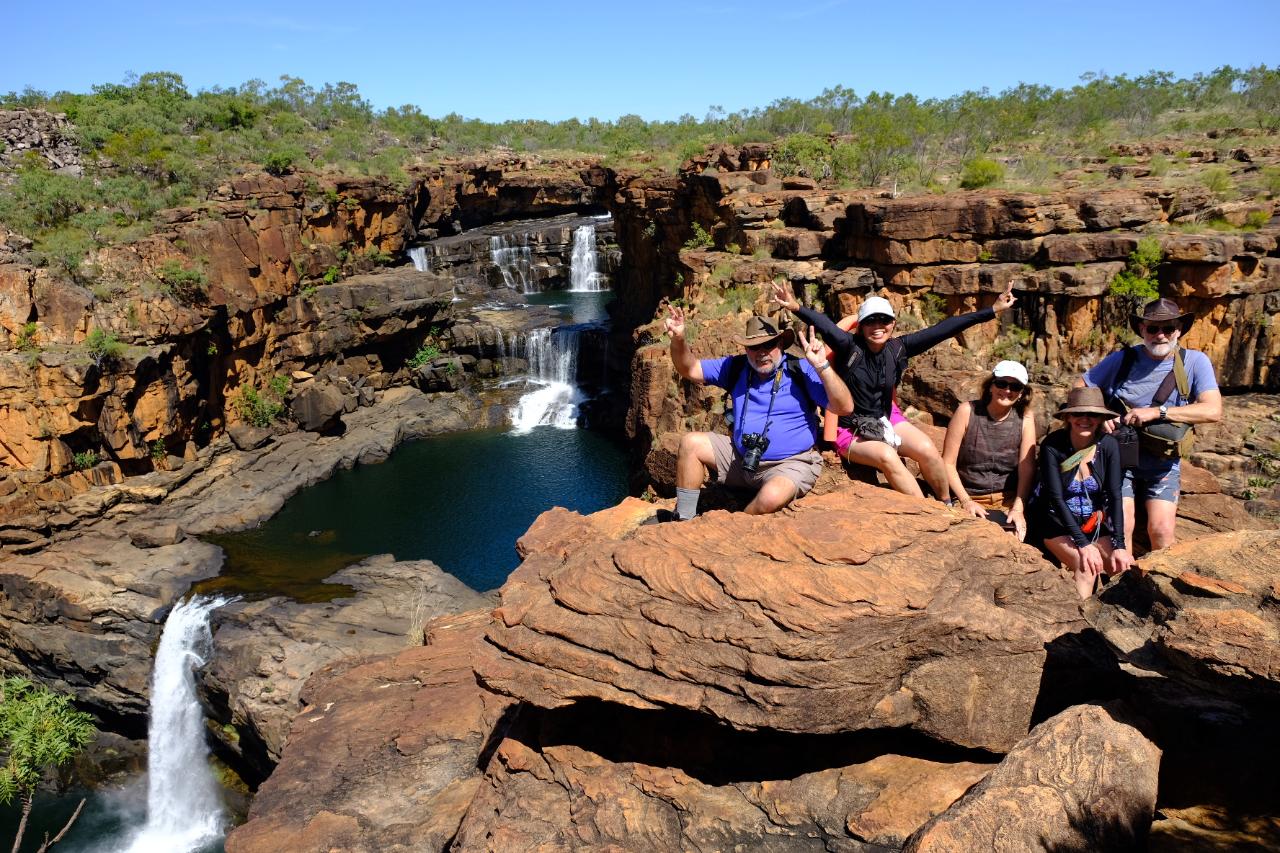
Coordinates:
[39,731]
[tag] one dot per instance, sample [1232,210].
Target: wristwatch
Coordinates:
[1164,411]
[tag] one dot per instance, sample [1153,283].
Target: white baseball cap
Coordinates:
[1011,370]
[875,305]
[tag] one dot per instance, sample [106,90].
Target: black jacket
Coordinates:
[864,371]
[1053,485]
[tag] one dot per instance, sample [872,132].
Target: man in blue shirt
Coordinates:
[1157,479]
[775,416]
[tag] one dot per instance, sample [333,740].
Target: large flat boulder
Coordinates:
[264,651]
[1083,780]
[858,609]
[385,755]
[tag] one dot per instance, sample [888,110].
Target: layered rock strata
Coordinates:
[863,609]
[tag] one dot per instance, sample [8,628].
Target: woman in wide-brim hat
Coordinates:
[1082,513]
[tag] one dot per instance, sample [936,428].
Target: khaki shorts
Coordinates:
[802,469]
[995,500]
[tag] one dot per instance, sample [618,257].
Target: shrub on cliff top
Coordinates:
[186,284]
[981,172]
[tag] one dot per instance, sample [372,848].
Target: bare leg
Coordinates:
[773,496]
[1065,550]
[1129,509]
[695,457]
[885,459]
[1162,518]
[918,446]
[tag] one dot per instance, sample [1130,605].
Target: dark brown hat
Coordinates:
[1086,401]
[1159,310]
[761,330]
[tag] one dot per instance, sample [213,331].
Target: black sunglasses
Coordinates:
[878,320]
[1161,330]
[1007,385]
[767,345]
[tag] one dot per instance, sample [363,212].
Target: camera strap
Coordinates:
[773,395]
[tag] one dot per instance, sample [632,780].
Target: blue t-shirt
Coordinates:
[794,421]
[1147,374]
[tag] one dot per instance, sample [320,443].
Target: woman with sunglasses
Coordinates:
[871,361]
[1083,515]
[990,449]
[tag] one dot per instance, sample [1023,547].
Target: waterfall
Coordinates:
[514,260]
[418,254]
[582,269]
[184,806]
[553,367]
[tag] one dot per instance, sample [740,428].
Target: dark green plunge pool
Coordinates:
[460,500]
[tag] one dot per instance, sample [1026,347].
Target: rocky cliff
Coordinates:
[864,672]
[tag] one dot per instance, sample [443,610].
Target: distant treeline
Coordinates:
[149,142]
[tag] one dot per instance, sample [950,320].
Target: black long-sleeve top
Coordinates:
[866,378]
[1105,468]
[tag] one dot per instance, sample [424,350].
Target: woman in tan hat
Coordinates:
[1080,473]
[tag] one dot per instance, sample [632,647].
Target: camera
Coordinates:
[754,444]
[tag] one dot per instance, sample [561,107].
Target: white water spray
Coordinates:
[553,368]
[184,807]
[514,259]
[418,254]
[583,277]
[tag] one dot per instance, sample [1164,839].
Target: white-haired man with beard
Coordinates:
[1157,384]
[775,400]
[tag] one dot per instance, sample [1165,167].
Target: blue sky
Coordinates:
[658,59]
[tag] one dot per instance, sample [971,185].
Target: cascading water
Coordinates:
[418,254]
[184,807]
[514,259]
[553,367]
[583,277]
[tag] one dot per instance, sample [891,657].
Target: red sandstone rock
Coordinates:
[385,754]
[1083,780]
[860,609]
[1223,642]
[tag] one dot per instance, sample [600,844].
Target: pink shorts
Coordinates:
[844,437]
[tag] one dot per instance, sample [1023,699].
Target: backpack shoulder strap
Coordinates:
[1177,376]
[800,379]
[1127,362]
[1180,374]
[737,364]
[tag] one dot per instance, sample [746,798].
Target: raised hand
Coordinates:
[815,351]
[674,324]
[783,297]
[1004,301]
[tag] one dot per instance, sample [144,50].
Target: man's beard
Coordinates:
[1160,350]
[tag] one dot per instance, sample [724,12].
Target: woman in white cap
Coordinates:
[990,449]
[871,361]
[1080,474]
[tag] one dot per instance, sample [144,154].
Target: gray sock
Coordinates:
[687,503]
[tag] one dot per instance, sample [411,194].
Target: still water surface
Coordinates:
[460,500]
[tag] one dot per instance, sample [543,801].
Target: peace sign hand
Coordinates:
[674,323]
[815,352]
[1005,300]
[783,296]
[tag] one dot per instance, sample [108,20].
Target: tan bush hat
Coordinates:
[1086,401]
[761,330]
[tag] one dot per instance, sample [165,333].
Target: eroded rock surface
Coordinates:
[1206,614]
[595,777]
[1083,780]
[861,609]
[386,755]
[264,651]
